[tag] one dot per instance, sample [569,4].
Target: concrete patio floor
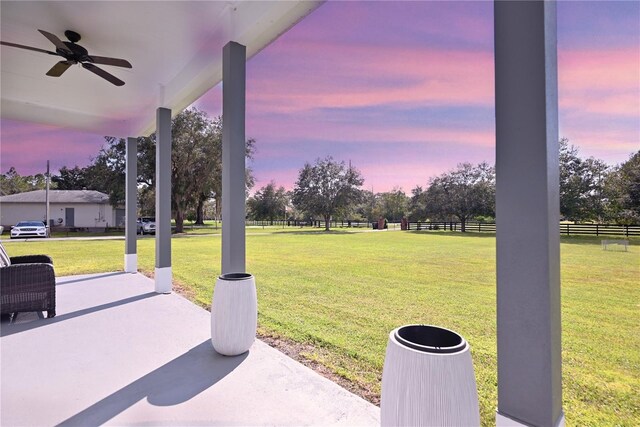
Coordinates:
[119,354]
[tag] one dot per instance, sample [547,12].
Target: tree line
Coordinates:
[590,190]
[331,190]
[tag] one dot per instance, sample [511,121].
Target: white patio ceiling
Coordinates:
[175,49]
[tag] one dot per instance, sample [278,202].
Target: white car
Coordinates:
[146,225]
[28,229]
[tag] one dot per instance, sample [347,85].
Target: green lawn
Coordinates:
[210,227]
[343,292]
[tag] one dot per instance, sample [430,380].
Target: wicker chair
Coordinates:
[27,284]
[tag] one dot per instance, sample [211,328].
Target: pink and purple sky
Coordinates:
[403,90]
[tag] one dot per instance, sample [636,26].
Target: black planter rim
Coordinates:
[235,276]
[430,339]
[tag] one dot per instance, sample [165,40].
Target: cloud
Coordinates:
[598,25]
[351,76]
[599,98]
[600,81]
[27,147]
[449,24]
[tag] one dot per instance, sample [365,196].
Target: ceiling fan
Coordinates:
[75,54]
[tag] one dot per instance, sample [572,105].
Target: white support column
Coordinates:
[131,201]
[163,201]
[233,158]
[527,190]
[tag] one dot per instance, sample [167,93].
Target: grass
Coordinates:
[343,292]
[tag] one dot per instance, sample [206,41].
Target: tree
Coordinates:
[418,204]
[268,203]
[196,144]
[294,213]
[367,206]
[12,182]
[147,201]
[195,149]
[464,193]
[581,185]
[107,171]
[211,185]
[196,163]
[622,189]
[394,204]
[70,178]
[326,187]
[595,174]
[212,188]
[146,179]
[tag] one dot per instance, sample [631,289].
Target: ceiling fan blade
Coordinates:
[59,68]
[110,61]
[102,73]
[27,47]
[56,41]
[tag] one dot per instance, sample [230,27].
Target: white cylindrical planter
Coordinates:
[234,313]
[428,379]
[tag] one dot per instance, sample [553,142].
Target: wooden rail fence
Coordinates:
[471,227]
[565,229]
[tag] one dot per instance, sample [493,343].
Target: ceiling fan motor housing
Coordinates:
[77,54]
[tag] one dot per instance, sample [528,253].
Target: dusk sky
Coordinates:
[403,90]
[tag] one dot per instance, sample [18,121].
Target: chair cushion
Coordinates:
[5,261]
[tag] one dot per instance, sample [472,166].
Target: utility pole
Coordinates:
[48,177]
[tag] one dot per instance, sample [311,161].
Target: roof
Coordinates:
[57,196]
[175,49]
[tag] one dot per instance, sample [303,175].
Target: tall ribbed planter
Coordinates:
[428,379]
[234,313]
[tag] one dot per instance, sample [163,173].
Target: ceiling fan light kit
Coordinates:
[73,53]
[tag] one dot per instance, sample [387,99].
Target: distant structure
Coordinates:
[87,209]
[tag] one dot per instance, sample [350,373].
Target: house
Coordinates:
[67,208]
